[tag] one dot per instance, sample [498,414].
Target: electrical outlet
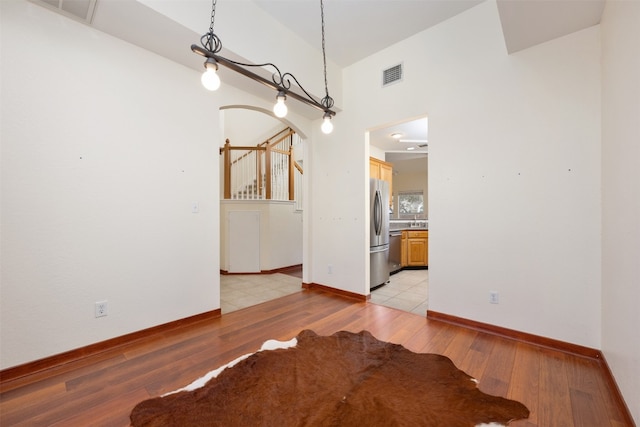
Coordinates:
[494,297]
[102,308]
[329,269]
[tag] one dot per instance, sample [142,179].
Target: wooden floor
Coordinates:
[559,389]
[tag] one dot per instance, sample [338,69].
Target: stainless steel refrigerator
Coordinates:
[379,230]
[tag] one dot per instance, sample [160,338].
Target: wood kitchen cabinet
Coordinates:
[417,248]
[382,170]
[403,250]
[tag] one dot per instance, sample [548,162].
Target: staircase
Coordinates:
[267,171]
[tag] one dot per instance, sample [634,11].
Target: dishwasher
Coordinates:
[395,243]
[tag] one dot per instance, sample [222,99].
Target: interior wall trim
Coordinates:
[275,270]
[329,289]
[550,343]
[28,372]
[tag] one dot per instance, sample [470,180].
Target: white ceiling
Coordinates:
[526,23]
[354,29]
[413,137]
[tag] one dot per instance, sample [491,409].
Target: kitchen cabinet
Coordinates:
[403,250]
[415,248]
[384,171]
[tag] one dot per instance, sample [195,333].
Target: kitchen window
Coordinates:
[410,204]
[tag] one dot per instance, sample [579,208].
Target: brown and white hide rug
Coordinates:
[345,379]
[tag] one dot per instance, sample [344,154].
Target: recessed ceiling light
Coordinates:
[396,135]
[414,141]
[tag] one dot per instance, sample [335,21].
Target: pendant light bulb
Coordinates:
[210,79]
[280,109]
[327,126]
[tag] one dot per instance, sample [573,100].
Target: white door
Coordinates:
[244,242]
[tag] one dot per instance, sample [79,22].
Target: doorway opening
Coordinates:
[260,236]
[404,145]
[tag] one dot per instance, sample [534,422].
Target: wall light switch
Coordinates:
[195,207]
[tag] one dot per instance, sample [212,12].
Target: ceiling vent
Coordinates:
[392,75]
[77,9]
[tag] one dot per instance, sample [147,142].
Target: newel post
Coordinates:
[267,167]
[227,169]
[292,195]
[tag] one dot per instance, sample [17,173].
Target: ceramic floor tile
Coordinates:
[231,294]
[411,296]
[399,285]
[386,291]
[227,307]
[407,290]
[243,290]
[420,309]
[239,285]
[377,298]
[420,291]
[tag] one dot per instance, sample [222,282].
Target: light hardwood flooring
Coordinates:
[560,389]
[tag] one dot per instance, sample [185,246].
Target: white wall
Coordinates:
[104,148]
[514,192]
[336,208]
[248,127]
[103,152]
[376,153]
[621,196]
[514,172]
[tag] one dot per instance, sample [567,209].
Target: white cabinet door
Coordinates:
[244,242]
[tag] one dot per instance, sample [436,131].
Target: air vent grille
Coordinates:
[78,9]
[392,75]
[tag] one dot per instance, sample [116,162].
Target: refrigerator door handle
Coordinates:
[377,213]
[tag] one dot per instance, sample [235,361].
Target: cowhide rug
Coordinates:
[345,379]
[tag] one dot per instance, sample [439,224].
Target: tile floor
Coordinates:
[407,290]
[243,290]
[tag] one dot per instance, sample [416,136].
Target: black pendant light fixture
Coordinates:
[280,82]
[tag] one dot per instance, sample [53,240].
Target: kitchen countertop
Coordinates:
[400,225]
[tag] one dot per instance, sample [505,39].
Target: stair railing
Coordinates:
[297,178]
[265,172]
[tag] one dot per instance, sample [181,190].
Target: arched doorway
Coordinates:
[271,229]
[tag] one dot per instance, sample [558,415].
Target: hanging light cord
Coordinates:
[327,101]
[210,41]
[213,15]
[211,45]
